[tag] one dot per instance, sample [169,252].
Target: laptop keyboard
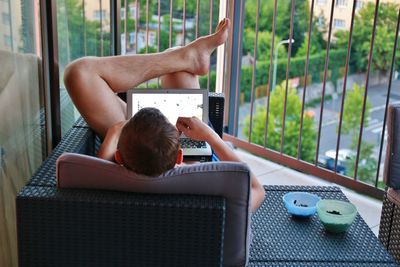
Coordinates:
[189,143]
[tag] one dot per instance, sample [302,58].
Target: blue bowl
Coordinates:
[301,204]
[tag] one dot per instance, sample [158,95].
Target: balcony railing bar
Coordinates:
[305,79]
[197,18]
[147,26]
[324,81]
[184,23]
[101,27]
[115,19]
[158,33]
[84,27]
[388,96]
[287,77]
[235,124]
[270,73]
[170,23]
[209,32]
[303,166]
[136,25]
[346,70]
[371,48]
[254,70]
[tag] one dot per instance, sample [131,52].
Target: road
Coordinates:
[330,120]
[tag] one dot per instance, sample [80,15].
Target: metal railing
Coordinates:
[177,25]
[353,179]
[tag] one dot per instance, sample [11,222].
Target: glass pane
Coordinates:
[22,120]
[83,30]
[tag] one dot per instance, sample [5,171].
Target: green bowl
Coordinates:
[336,215]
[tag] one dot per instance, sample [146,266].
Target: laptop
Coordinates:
[174,103]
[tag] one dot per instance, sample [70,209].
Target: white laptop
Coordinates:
[174,103]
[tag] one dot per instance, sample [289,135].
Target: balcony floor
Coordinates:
[270,173]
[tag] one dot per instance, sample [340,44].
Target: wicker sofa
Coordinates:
[389,230]
[87,227]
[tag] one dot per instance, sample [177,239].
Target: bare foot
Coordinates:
[198,52]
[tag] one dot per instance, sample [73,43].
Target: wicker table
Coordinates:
[281,240]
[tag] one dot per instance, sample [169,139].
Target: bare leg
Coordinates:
[92,82]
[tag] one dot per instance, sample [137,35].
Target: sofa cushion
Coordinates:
[391,175]
[228,179]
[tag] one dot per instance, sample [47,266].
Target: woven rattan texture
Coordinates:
[319,264]
[278,237]
[79,140]
[394,239]
[103,228]
[386,221]
[81,123]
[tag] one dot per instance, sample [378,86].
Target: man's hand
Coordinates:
[195,129]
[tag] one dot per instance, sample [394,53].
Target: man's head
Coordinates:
[149,143]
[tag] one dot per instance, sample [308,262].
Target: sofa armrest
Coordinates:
[103,228]
[77,139]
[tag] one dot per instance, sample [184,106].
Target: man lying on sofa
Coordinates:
[147,143]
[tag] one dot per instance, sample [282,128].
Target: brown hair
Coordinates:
[149,143]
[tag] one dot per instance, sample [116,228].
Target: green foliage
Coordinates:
[292,125]
[384,37]
[78,36]
[351,125]
[263,45]
[297,64]
[353,110]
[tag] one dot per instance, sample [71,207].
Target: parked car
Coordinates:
[343,154]
[329,163]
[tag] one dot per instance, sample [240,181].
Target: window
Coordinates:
[7,40]
[321,2]
[22,121]
[339,24]
[79,36]
[359,4]
[341,3]
[99,14]
[321,21]
[6,19]
[132,9]
[122,13]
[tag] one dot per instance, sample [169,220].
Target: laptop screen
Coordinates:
[173,103]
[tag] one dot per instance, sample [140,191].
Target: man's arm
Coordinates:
[109,145]
[197,130]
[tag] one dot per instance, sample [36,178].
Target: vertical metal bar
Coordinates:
[147,26]
[184,23]
[158,35]
[310,26]
[388,96]
[84,27]
[238,68]
[170,23]
[270,72]
[371,48]
[11,26]
[101,27]
[136,26]
[254,71]
[48,15]
[324,82]
[125,26]
[197,18]
[210,31]
[225,51]
[346,70]
[115,7]
[287,77]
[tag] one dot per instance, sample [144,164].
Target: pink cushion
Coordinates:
[228,179]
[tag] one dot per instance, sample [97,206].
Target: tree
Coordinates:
[263,45]
[283,14]
[292,125]
[362,32]
[351,125]
[318,43]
